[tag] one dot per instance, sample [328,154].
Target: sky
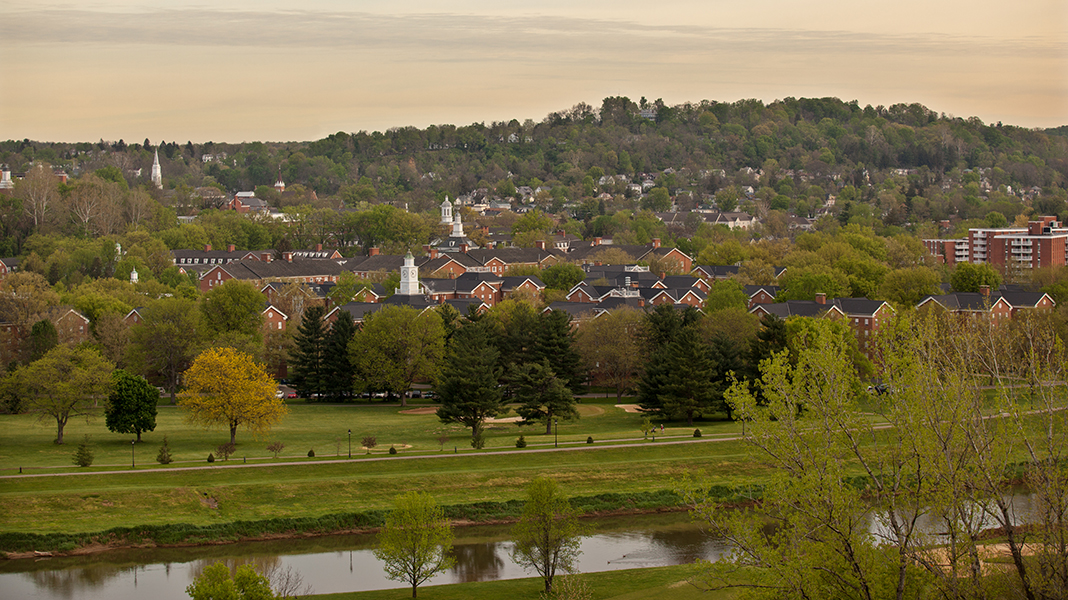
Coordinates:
[268,70]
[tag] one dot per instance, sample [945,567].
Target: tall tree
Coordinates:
[66,382]
[228,387]
[468,387]
[307,362]
[339,368]
[232,313]
[548,533]
[132,404]
[416,541]
[43,337]
[611,347]
[555,344]
[543,397]
[396,346]
[165,342]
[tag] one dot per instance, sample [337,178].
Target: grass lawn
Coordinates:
[633,584]
[28,443]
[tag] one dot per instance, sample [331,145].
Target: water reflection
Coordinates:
[479,561]
[342,563]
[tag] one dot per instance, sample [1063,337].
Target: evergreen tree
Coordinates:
[307,361]
[771,338]
[337,364]
[543,396]
[43,337]
[691,386]
[468,385]
[555,344]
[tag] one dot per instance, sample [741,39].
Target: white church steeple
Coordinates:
[157,173]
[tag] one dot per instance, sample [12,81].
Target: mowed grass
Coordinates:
[88,502]
[632,584]
[28,443]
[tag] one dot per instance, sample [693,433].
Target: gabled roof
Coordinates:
[512,256]
[577,310]
[680,282]
[798,308]
[1026,299]
[717,271]
[512,282]
[753,290]
[859,306]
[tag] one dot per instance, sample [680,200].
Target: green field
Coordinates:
[302,487]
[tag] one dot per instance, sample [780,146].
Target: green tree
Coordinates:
[562,276]
[165,342]
[416,541]
[611,348]
[906,287]
[307,361]
[542,396]
[554,344]
[339,368]
[968,277]
[132,404]
[215,583]
[548,533]
[467,387]
[43,337]
[233,309]
[658,200]
[726,294]
[396,346]
[66,382]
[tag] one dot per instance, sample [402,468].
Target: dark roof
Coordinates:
[858,306]
[751,290]
[575,309]
[255,269]
[790,308]
[359,310]
[718,271]
[513,256]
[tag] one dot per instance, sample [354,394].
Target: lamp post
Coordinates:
[350,443]
[556,436]
[133,458]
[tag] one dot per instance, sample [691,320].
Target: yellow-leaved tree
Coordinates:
[226,386]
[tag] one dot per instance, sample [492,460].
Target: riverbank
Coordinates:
[15,545]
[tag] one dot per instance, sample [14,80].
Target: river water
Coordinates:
[345,563]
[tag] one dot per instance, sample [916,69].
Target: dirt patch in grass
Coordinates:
[587,410]
[422,410]
[631,408]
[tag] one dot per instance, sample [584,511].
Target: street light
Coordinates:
[133,459]
[556,440]
[350,443]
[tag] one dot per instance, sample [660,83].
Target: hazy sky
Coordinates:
[242,70]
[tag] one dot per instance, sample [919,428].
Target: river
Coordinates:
[345,563]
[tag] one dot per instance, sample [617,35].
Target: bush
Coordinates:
[164,455]
[370,442]
[589,440]
[83,456]
[276,448]
[521,442]
[311,453]
[696,433]
[211,457]
[392,449]
[225,450]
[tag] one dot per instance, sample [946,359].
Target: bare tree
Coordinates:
[39,191]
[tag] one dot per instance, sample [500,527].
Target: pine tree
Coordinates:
[468,385]
[555,344]
[339,370]
[83,456]
[542,395]
[164,455]
[307,360]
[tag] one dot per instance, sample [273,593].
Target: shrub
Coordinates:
[211,457]
[164,455]
[276,448]
[311,453]
[225,450]
[521,442]
[696,433]
[369,442]
[83,456]
[589,440]
[392,449]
